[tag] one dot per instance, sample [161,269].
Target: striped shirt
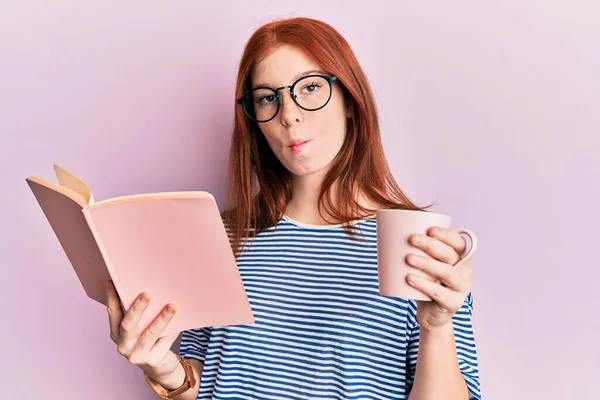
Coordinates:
[322,330]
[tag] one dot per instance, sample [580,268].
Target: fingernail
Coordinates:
[171,308]
[144,298]
[416,238]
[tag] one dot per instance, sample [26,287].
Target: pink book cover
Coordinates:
[172,245]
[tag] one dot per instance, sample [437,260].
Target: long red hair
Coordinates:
[259,186]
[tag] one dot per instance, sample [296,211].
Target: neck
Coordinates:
[303,206]
[305,197]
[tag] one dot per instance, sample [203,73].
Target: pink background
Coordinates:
[490,108]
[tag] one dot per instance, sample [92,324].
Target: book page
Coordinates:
[190,194]
[71,181]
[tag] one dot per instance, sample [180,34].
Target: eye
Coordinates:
[311,87]
[266,99]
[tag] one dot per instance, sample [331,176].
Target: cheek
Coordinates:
[270,136]
[333,126]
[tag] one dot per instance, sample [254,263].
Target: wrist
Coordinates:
[170,380]
[438,332]
[172,385]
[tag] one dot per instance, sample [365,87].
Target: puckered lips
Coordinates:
[297,145]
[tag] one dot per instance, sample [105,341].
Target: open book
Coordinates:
[172,245]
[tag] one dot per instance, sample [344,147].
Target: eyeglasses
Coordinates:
[310,93]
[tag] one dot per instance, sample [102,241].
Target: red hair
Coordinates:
[259,186]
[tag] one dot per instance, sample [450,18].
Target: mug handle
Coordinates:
[468,253]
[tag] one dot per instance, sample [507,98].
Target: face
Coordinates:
[305,142]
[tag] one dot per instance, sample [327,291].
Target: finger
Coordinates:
[160,350]
[156,328]
[163,345]
[129,325]
[435,248]
[467,272]
[445,297]
[450,237]
[452,277]
[115,312]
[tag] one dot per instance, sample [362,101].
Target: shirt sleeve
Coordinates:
[465,346]
[194,343]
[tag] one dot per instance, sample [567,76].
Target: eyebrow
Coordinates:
[298,76]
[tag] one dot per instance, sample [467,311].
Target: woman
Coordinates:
[307,174]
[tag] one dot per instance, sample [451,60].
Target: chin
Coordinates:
[308,169]
[304,172]
[308,163]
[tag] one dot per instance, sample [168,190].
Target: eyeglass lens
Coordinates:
[310,93]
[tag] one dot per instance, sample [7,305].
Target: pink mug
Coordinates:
[394,229]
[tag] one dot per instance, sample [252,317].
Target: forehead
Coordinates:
[281,67]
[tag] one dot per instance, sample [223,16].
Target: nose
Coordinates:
[290,112]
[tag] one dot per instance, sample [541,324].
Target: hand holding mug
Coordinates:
[421,258]
[453,274]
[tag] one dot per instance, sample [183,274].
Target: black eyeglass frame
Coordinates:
[329,78]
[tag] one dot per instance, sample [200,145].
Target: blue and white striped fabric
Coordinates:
[322,330]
